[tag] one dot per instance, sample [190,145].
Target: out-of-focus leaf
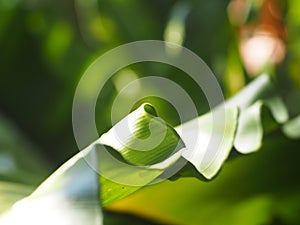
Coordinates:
[21,168]
[250,131]
[258,89]
[234,76]
[292,128]
[19,159]
[175,30]
[11,193]
[114,218]
[68,197]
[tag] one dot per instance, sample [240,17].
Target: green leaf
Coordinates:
[21,168]
[19,159]
[251,100]
[118,179]
[244,131]
[11,193]
[70,196]
[250,132]
[117,218]
[260,88]
[148,143]
[292,128]
[254,122]
[252,190]
[142,138]
[209,163]
[175,29]
[112,191]
[74,187]
[141,147]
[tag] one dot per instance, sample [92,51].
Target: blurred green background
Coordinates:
[45,46]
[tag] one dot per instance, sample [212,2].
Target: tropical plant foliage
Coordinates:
[258,152]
